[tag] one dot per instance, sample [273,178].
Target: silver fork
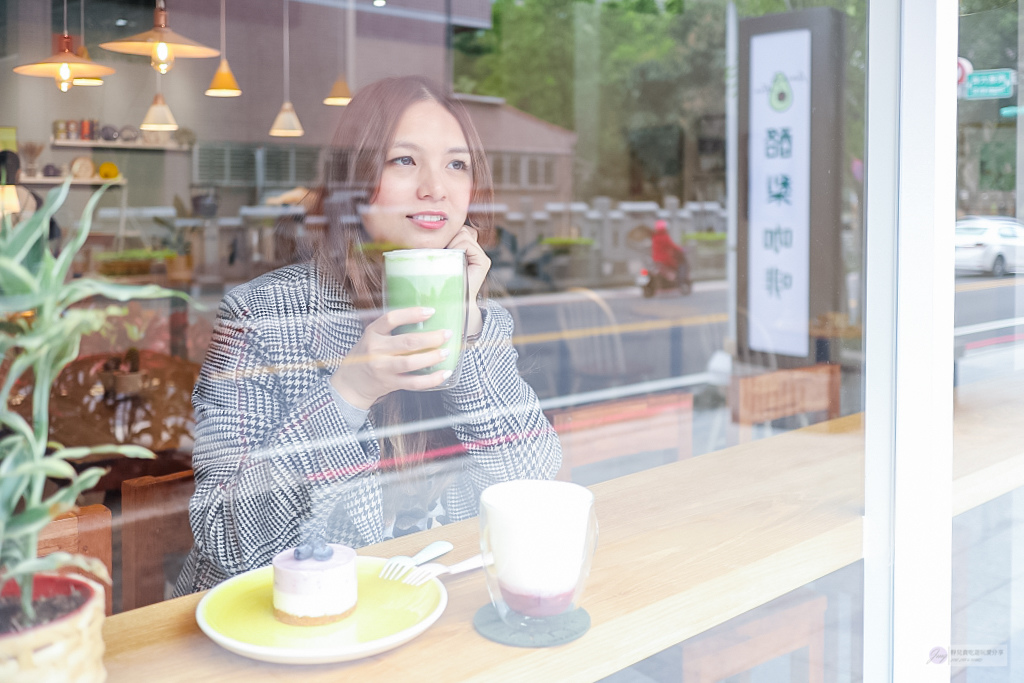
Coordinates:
[420,575]
[396,567]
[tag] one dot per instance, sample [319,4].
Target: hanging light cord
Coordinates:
[65,17]
[81,5]
[223,32]
[286,67]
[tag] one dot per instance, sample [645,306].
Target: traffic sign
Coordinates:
[991,84]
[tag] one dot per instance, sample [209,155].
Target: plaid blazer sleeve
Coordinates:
[498,418]
[274,458]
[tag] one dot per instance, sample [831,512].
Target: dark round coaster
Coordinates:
[559,630]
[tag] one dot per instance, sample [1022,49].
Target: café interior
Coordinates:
[803,451]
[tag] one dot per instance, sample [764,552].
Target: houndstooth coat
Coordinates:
[274,458]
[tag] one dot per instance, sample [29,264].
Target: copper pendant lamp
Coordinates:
[64,66]
[223,83]
[161,43]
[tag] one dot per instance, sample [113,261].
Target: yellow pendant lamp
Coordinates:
[161,43]
[286,123]
[83,52]
[223,83]
[64,66]
[341,93]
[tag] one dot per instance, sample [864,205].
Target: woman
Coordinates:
[308,426]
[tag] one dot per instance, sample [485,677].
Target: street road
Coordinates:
[567,340]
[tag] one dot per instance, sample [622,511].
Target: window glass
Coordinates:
[987,373]
[661,204]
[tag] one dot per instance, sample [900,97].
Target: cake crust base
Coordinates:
[294,620]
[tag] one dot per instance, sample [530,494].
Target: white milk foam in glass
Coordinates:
[407,262]
[538,537]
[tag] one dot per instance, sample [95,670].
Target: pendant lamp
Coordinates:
[64,66]
[161,43]
[83,52]
[340,94]
[159,116]
[286,124]
[223,83]
[9,200]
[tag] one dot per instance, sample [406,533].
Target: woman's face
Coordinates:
[425,188]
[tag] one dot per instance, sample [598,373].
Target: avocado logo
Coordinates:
[781,96]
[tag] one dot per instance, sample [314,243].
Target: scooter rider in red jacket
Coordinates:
[668,256]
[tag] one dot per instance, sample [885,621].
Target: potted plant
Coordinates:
[40,331]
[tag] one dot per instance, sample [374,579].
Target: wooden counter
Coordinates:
[682,548]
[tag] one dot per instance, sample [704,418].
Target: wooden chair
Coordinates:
[598,432]
[594,343]
[83,531]
[784,393]
[154,518]
[784,627]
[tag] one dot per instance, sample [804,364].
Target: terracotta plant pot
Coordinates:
[67,649]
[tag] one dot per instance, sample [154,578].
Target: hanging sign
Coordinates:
[790,169]
[778,276]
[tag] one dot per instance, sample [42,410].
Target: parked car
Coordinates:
[989,244]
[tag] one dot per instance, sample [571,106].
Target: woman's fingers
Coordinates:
[398,317]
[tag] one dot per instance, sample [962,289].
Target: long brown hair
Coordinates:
[352,178]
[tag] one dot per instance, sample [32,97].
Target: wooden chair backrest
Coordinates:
[601,431]
[154,523]
[784,393]
[83,531]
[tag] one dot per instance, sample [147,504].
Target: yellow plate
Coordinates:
[238,615]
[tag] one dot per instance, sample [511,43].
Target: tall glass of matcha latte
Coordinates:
[434,278]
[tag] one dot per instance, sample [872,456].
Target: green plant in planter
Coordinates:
[40,331]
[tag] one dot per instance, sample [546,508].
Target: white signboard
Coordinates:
[779,200]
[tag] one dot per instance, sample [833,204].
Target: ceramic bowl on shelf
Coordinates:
[51,171]
[129,134]
[83,168]
[109,133]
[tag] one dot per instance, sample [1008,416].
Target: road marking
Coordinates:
[643,326]
[986,284]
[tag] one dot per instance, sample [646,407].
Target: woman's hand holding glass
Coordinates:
[477,265]
[379,362]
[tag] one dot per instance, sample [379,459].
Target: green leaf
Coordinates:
[83,289]
[127,450]
[49,466]
[33,519]
[55,561]
[64,499]
[67,254]
[15,279]
[17,303]
[23,236]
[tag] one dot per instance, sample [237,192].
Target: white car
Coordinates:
[989,244]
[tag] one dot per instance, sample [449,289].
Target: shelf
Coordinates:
[44,180]
[116,144]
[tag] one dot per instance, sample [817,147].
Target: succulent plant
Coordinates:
[40,331]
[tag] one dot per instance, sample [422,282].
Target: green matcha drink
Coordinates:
[435,278]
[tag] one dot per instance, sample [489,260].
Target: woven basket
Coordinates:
[68,649]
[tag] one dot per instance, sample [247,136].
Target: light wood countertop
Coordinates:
[682,548]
